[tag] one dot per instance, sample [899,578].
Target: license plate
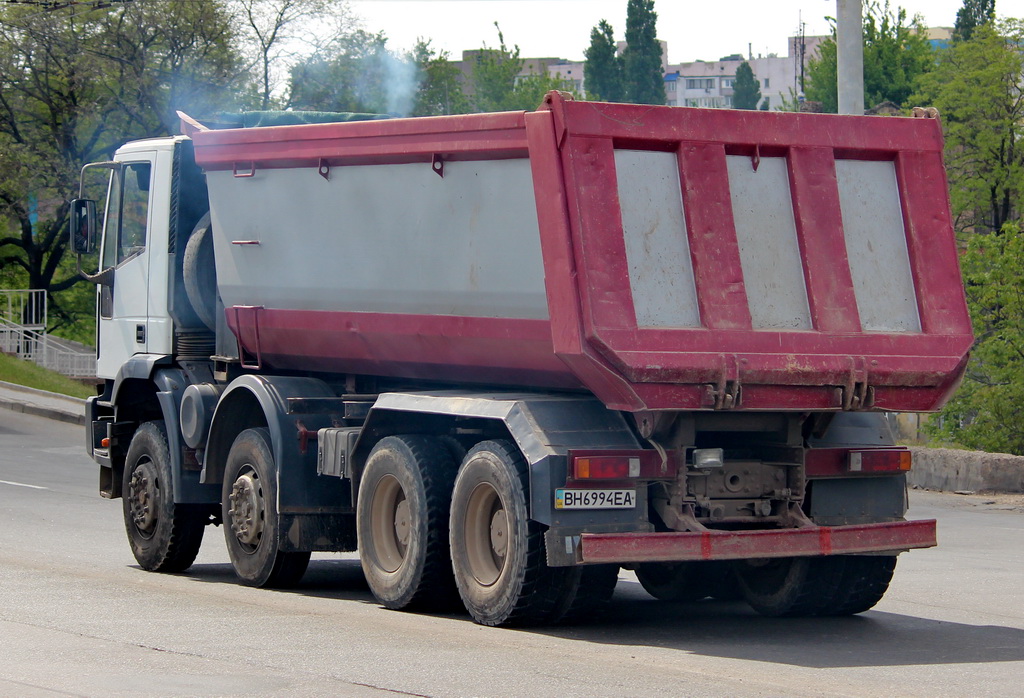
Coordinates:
[595,499]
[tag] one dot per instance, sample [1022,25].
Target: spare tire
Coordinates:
[200,272]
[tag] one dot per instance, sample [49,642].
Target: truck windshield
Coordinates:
[127,213]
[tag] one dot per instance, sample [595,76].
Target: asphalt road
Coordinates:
[79,618]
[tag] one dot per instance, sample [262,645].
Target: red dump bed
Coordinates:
[691,259]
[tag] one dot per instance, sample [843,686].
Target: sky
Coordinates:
[694,29]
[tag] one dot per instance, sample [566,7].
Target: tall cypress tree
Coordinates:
[972,15]
[641,61]
[602,71]
[746,90]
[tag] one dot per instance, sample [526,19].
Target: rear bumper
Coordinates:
[885,538]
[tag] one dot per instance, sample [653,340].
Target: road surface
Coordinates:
[79,618]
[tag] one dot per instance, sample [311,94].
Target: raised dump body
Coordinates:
[661,258]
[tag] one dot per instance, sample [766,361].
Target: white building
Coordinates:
[710,83]
[572,71]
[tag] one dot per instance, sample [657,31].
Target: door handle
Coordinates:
[140,334]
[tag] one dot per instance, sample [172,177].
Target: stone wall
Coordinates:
[975,471]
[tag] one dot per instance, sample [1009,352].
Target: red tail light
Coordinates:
[619,465]
[843,462]
[606,468]
[878,461]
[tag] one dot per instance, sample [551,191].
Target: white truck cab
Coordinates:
[133,310]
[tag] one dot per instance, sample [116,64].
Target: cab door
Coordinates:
[123,305]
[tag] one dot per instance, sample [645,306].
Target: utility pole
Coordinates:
[802,48]
[850,56]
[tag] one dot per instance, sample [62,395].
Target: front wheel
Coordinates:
[497,551]
[252,528]
[164,536]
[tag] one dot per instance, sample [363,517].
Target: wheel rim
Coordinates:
[143,495]
[390,524]
[247,513]
[486,533]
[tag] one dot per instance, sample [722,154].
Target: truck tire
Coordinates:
[199,272]
[865,579]
[688,581]
[672,581]
[405,492]
[252,527]
[497,551]
[164,536]
[799,586]
[589,592]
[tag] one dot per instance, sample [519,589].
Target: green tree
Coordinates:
[494,76]
[896,55]
[972,15]
[641,61]
[977,89]
[77,82]
[439,83]
[986,411]
[499,85]
[976,86]
[746,90]
[602,71]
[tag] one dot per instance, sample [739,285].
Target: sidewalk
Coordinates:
[41,403]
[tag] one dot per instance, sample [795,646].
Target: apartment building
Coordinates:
[709,83]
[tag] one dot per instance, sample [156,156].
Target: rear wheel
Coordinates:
[688,581]
[801,586]
[865,579]
[497,551]
[164,536]
[588,592]
[252,527]
[672,581]
[839,585]
[402,523]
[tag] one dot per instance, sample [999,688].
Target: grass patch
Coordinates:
[15,370]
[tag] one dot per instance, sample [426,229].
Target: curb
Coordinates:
[62,408]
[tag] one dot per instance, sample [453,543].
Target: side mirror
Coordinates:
[83,226]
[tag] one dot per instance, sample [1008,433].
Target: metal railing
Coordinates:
[33,345]
[25,307]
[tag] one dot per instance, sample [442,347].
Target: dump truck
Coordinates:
[504,356]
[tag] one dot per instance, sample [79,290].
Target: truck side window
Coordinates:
[127,213]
